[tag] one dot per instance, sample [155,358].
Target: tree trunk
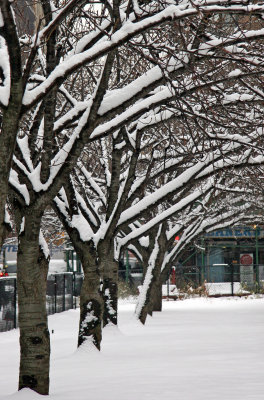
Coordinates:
[144,305]
[150,291]
[156,296]
[110,288]
[8,135]
[91,303]
[11,113]
[31,283]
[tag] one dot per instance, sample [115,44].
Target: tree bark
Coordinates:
[110,287]
[8,135]
[11,113]
[151,296]
[34,335]
[91,303]
[156,296]
[145,306]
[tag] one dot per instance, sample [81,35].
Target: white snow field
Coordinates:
[196,349]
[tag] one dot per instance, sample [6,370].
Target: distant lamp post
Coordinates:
[256,228]
[127,267]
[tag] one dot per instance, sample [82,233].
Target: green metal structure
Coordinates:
[72,260]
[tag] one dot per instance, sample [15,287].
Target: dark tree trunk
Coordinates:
[156,296]
[34,335]
[146,307]
[11,114]
[110,288]
[151,297]
[91,302]
[8,135]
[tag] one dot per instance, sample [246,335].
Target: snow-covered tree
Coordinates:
[131,192]
[41,100]
[226,207]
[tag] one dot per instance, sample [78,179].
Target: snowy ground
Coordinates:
[224,288]
[196,349]
[213,289]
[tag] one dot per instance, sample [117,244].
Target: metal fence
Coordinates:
[219,279]
[63,291]
[8,308]
[132,277]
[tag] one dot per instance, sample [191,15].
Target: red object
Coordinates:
[177,238]
[173,277]
[246,259]
[3,274]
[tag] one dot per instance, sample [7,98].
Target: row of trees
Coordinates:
[133,120]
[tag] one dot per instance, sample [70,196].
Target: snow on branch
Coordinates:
[180,181]
[5,85]
[180,205]
[20,188]
[76,221]
[44,246]
[96,188]
[130,29]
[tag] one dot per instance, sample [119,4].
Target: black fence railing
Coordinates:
[219,279]
[8,308]
[63,291]
[133,277]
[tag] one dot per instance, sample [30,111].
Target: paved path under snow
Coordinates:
[194,350]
